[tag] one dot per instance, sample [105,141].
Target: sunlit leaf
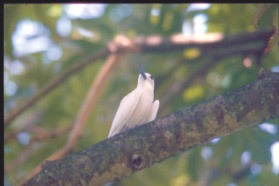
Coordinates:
[55,10]
[193,93]
[191,53]
[180,181]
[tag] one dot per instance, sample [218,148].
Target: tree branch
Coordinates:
[39,133]
[141,147]
[178,86]
[147,45]
[45,135]
[52,85]
[84,111]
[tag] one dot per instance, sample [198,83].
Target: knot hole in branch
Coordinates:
[137,161]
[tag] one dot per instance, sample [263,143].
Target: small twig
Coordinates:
[49,134]
[27,125]
[39,133]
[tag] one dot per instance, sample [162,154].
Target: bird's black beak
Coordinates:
[142,72]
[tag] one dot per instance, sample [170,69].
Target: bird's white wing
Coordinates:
[124,112]
[154,111]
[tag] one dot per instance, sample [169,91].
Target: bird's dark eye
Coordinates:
[151,77]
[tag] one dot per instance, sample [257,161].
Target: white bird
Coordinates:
[137,107]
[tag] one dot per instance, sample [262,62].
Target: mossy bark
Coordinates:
[141,147]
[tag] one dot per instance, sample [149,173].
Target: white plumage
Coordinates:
[137,107]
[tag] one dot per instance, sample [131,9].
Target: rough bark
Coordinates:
[141,147]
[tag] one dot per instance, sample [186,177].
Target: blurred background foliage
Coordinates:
[42,40]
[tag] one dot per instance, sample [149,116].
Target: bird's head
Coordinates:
[145,79]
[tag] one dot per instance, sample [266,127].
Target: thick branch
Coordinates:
[141,147]
[206,42]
